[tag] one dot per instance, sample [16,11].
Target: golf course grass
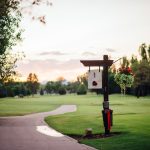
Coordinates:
[131,117]
[26,105]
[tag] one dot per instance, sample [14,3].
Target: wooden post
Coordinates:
[105,84]
[105,95]
[106,112]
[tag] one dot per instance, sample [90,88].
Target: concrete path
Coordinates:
[30,132]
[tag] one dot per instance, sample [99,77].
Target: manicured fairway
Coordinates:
[27,105]
[131,117]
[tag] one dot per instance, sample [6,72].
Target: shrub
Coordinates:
[82,90]
[10,92]
[41,92]
[62,91]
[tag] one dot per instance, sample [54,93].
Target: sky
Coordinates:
[81,29]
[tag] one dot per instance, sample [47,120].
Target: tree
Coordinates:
[7,66]
[3,92]
[82,90]
[53,87]
[61,79]
[72,87]
[148,50]
[10,17]
[49,87]
[125,62]
[13,88]
[24,7]
[32,83]
[113,86]
[10,35]
[41,92]
[83,79]
[133,60]
[141,78]
[144,52]
[62,90]
[141,70]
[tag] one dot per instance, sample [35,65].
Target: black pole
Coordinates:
[105,84]
[106,99]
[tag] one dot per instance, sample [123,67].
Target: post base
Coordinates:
[107,120]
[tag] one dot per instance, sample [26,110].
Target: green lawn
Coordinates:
[27,105]
[131,117]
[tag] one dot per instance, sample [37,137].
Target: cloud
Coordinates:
[110,50]
[51,69]
[52,53]
[88,54]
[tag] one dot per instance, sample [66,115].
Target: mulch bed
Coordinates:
[94,136]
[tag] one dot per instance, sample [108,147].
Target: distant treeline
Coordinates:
[12,89]
[139,67]
[62,87]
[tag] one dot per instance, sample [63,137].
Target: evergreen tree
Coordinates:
[141,70]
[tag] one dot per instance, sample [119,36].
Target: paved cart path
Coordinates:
[30,132]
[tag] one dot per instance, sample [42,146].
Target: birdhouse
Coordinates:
[94,79]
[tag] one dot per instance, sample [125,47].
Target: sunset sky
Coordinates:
[82,29]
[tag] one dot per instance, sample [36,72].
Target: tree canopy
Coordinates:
[32,83]
[10,17]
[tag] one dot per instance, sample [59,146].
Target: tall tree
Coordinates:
[148,51]
[133,59]
[144,52]
[124,63]
[32,83]
[83,79]
[142,78]
[10,35]
[10,17]
[7,66]
[141,70]
[24,7]
[49,87]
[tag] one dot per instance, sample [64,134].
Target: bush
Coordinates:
[62,91]
[3,93]
[10,92]
[41,92]
[82,90]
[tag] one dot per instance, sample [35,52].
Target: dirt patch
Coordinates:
[94,136]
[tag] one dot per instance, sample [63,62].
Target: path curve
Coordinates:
[30,132]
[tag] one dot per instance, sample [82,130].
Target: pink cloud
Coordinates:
[110,50]
[88,54]
[52,53]
[51,69]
